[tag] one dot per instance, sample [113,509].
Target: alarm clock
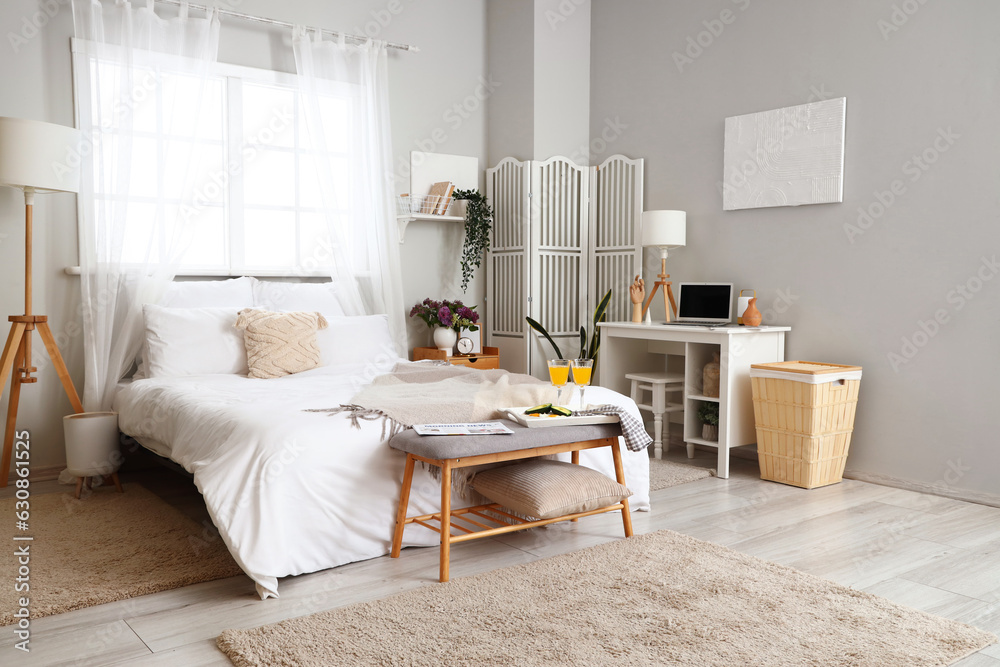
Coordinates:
[465,345]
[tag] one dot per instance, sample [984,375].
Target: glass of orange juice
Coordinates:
[559,374]
[583,369]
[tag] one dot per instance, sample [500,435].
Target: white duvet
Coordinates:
[292,491]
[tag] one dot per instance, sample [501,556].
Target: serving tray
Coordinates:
[544,421]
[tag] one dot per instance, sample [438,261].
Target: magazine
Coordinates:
[482,428]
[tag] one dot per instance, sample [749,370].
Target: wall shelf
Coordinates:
[403,220]
[427,169]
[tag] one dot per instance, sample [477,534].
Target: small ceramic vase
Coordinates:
[752,316]
[445,339]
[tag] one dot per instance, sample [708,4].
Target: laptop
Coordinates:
[704,304]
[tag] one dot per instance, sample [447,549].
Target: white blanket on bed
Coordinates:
[291,491]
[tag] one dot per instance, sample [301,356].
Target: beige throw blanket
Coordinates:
[442,394]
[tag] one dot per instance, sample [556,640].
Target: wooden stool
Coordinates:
[658,385]
[449,452]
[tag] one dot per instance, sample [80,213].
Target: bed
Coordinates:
[293,491]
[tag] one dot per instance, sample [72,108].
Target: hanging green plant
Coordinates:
[478,223]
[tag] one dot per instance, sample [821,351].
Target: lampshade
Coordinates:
[38,155]
[664,229]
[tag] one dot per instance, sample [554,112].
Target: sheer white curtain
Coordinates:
[341,84]
[141,193]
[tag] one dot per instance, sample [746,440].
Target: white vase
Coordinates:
[92,443]
[445,339]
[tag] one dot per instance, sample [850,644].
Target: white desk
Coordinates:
[628,348]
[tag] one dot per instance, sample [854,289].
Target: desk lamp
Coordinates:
[34,158]
[663,230]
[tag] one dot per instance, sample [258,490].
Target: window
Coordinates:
[244,152]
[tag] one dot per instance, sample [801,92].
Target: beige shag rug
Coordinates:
[663,473]
[655,599]
[108,546]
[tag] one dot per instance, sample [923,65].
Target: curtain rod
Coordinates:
[261,19]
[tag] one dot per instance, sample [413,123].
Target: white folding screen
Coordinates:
[615,216]
[560,194]
[563,234]
[507,188]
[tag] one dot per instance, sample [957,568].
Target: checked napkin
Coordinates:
[636,438]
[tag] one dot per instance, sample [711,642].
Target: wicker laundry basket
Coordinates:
[804,412]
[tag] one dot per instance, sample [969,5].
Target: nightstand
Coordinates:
[489,358]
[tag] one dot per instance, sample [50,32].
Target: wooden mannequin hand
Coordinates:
[637,292]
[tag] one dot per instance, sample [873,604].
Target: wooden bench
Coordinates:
[453,452]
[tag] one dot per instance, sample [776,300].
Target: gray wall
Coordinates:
[930,418]
[539,55]
[562,79]
[510,26]
[36,83]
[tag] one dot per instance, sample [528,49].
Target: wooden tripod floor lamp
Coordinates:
[35,157]
[663,230]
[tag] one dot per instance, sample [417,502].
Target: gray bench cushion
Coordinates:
[547,489]
[456,446]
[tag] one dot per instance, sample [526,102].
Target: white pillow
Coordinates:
[232,293]
[349,341]
[308,297]
[193,341]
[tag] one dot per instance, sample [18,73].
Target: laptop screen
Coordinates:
[705,301]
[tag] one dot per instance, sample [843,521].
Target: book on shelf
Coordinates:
[445,203]
[433,201]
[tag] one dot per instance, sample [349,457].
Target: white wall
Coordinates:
[35,77]
[848,299]
[436,106]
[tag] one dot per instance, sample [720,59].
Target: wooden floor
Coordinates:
[934,554]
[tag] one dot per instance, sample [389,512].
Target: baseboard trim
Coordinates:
[922,487]
[749,452]
[38,474]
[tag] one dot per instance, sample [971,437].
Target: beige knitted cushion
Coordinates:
[280,343]
[546,489]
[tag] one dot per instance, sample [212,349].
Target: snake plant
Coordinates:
[600,315]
